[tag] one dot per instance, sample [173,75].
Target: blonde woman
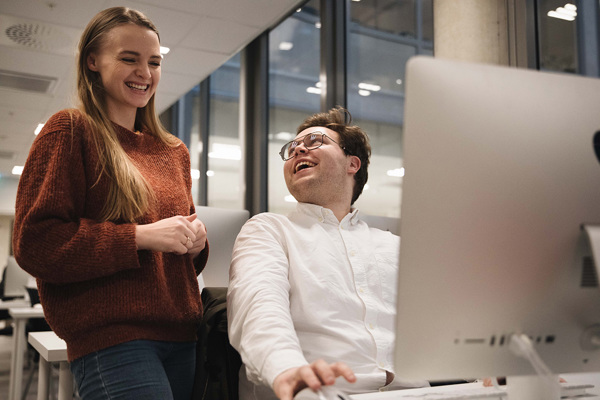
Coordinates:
[105,222]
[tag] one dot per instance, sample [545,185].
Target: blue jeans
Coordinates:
[140,369]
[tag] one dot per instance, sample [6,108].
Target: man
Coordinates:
[312,295]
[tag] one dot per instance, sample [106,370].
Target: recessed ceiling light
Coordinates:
[164,50]
[369,86]
[285,46]
[17,170]
[397,172]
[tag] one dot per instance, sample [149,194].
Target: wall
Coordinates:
[8,194]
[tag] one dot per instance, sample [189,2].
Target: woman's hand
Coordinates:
[172,235]
[200,242]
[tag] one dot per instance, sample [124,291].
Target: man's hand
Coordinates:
[319,373]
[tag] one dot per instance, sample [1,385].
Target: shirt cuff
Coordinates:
[280,361]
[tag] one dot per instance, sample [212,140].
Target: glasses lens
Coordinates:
[313,140]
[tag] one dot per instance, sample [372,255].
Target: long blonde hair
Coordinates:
[129,195]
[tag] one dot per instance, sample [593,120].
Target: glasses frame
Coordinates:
[302,140]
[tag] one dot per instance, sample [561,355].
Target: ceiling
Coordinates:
[38,40]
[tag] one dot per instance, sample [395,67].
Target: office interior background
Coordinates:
[307,57]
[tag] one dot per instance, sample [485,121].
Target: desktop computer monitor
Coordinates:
[501,175]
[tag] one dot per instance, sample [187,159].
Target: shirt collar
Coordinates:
[325,214]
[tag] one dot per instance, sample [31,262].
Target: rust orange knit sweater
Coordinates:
[97,290]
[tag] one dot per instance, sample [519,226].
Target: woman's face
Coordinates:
[129,63]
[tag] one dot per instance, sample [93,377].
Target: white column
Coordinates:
[471,30]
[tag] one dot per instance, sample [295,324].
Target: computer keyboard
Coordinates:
[487,393]
[471,391]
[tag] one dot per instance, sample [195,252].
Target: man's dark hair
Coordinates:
[353,140]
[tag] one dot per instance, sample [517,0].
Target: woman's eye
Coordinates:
[128,60]
[155,64]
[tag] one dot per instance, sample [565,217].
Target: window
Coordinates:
[383,36]
[293,91]
[225,172]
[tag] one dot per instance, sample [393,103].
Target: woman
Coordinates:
[105,222]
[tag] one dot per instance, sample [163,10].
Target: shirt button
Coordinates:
[361,290]
[381,364]
[320,219]
[352,253]
[371,326]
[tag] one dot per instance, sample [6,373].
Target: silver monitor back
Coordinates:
[501,173]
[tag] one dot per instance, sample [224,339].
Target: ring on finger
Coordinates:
[188,241]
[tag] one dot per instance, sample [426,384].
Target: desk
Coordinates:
[20,317]
[17,303]
[52,349]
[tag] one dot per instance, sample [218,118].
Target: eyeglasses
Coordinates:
[311,141]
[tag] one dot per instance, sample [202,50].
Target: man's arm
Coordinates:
[260,323]
[258,312]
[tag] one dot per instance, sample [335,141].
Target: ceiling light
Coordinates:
[285,46]
[225,151]
[313,90]
[195,174]
[369,86]
[567,13]
[290,199]
[210,173]
[38,129]
[364,93]
[318,84]
[17,170]
[558,15]
[399,81]
[318,25]
[398,172]
[164,50]
[284,136]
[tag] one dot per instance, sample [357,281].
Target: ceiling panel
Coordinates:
[202,35]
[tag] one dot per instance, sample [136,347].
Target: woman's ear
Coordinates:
[91,62]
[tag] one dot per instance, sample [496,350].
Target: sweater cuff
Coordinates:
[280,361]
[201,259]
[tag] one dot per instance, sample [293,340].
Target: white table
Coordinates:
[16,303]
[20,317]
[52,349]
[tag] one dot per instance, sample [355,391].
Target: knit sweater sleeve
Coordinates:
[53,240]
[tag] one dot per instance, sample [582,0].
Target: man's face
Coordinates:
[317,176]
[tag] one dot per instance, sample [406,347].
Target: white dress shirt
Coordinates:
[306,286]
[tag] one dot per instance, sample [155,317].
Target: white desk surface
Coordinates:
[5,305]
[51,347]
[26,312]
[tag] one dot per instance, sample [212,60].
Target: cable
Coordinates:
[521,346]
